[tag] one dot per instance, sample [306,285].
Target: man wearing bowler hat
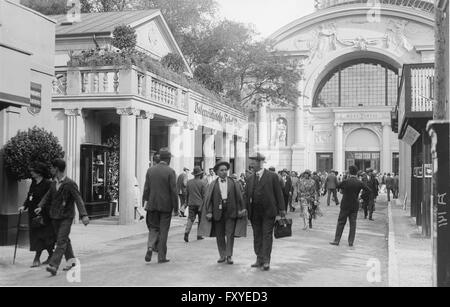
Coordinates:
[223,213]
[160,200]
[195,194]
[264,199]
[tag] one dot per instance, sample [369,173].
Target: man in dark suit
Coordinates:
[181,188]
[160,200]
[389,181]
[350,205]
[60,201]
[223,205]
[331,184]
[286,186]
[195,195]
[265,202]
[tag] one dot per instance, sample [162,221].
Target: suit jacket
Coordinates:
[331,182]
[350,189]
[267,193]
[60,203]
[389,182]
[210,205]
[160,190]
[182,184]
[287,188]
[195,192]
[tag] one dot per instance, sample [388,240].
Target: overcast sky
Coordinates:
[267,15]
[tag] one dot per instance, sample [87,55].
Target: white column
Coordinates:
[73,145]
[175,137]
[127,163]
[386,156]
[339,147]
[241,156]
[208,149]
[189,145]
[227,146]
[263,125]
[299,126]
[143,148]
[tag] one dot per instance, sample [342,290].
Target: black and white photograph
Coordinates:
[224,144]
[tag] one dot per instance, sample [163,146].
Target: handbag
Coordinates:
[37,221]
[283,228]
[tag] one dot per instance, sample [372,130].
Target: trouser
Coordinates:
[286,201]
[225,229]
[262,235]
[369,207]
[388,191]
[182,203]
[351,215]
[63,245]
[159,225]
[335,197]
[194,212]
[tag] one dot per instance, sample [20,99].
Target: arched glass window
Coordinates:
[359,83]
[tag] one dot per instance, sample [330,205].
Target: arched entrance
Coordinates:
[362,149]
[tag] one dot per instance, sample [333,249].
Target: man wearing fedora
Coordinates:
[181,188]
[287,186]
[160,200]
[223,213]
[195,194]
[264,199]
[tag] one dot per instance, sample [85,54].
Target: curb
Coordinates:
[392,253]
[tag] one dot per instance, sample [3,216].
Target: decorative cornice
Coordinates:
[128,112]
[72,112]
[146,115]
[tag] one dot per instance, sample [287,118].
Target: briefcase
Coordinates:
[283,228]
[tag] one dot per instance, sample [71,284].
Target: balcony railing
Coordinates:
[424,5]
[112,81]
[416,94]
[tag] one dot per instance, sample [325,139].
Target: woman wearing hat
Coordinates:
[308,198]
[195,194]
[223,213]
[42,236]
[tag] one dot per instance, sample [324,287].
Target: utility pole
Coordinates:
[439,133]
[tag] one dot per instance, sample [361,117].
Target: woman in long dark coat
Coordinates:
[42,237]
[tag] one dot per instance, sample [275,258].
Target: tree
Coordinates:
[34,145]
[174,62]
[124,38]
[204,74]
[47,7]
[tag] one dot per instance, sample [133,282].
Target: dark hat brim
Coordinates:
[219,164]
[197,174]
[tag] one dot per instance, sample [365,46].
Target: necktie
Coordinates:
[223,180]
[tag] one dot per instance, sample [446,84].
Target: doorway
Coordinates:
[324,162]
[363,160]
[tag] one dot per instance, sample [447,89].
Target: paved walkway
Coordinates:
[410,254]
[114,256]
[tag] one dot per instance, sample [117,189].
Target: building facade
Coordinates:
[350,54]
[27,49]
[88,106]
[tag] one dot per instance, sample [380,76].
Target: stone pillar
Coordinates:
[386,156]
[339,147]
[299,150]
[143,148]
[127,163]
[175,142]
[189,145]
[263,126]
[208,148]
[241,156]
[227,146]
[73,145]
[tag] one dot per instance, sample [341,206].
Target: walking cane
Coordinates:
[17,236]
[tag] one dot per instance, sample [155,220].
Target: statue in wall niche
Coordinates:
[281,137]
[395,36]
